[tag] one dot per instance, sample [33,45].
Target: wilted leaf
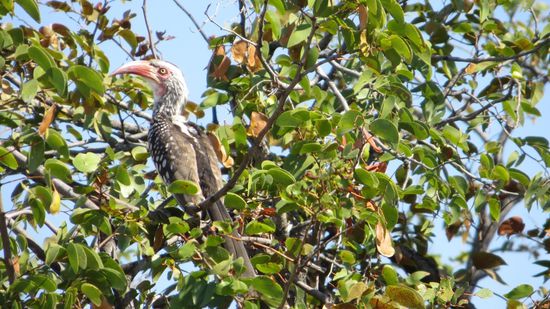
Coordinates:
[238,51]
[486,260]
[219,149]
[384,241]
[253,62]
[219,64]
[405,296]
[258,121]
[510,226]
[47,120]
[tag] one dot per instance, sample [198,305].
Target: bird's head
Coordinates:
[165,79]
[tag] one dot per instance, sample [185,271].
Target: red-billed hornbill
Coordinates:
[180,149]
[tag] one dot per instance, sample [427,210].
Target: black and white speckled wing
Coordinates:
[173,153]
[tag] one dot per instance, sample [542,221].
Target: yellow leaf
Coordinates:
[471,68]
[383,241]
[258,121]
[47,120]
[56,202]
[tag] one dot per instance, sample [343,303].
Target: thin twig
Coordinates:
[334,89]
[199,28]
[149,32]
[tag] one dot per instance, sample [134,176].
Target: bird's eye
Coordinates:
[163,71]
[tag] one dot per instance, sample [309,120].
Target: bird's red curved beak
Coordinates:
[141,68]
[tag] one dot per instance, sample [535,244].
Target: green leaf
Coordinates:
[183,187]
[93,261]
[86,162]
[87,77]
[36,155]
[347,257]
[405,296]
[394,9]
[299,35]
[41,57]
[116,279]
[52,253]
[269,268]
[484,293]
[390,275]
[57,142]
[385,130]
[256,227]
[29,90]
[275,24]
[269,290]
[58,169]
[281,176]
[367,178]
[140,153]
[234,201]
[520,291]
[58,79]
[401,47]
[92,292]
[74,260]
[350,120]
[8,159]
[31,7]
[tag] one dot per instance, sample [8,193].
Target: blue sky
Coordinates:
[189,51]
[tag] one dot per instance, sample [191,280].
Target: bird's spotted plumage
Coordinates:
[181,150]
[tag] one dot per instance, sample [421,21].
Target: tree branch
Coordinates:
[495,59]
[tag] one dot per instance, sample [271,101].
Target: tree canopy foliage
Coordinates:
[357,130]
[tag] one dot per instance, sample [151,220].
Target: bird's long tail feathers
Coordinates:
[233,244]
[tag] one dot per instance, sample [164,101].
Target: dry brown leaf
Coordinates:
[451,230]
[511,226]
[258,121]
[363,17]
[383,241]
[219,63]
[48,119]
[238,51]
[363,20]
[486,260]
[226,160]
[253,62]
[158,242]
